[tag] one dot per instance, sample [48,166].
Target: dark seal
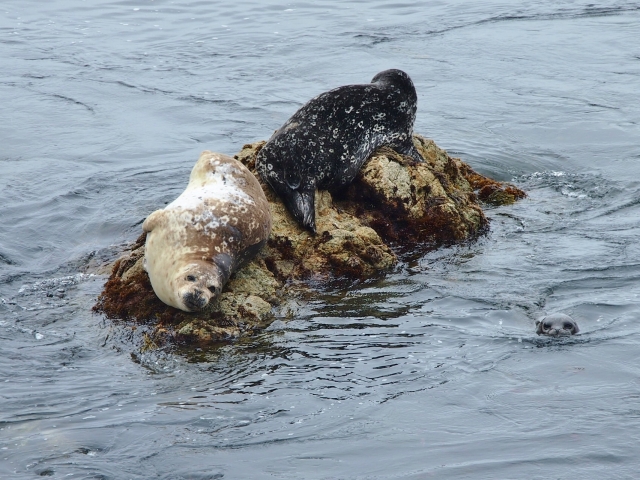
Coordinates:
[324,144]
[556,325]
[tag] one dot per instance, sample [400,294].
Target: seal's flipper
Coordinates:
[153,220]
[301,204]
[409,149]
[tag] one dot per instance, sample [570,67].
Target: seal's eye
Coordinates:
[567,326]
[213,290]
[191,278]
[547,325]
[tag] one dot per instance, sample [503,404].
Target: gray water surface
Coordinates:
[434,372]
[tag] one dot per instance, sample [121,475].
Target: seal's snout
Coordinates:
[559,332]
[195,300]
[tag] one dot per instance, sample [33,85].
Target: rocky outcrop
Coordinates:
[394,208]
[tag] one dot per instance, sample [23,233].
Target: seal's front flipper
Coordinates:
[409,149]
[153,220]
[301,204]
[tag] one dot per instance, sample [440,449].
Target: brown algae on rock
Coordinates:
[394,207]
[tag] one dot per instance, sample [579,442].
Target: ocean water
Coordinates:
[433,372]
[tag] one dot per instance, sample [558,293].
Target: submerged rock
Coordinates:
[394,207]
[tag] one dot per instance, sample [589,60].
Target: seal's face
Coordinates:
[196,285]
[557,325]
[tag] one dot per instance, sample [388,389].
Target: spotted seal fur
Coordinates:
[195,243]
[324,144]
[557,324]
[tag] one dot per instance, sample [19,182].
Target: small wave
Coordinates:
[572,185]
[58,285]
[46,294]
[74,101]
[6,260]
[141,88]
[562,14]
[373,39]
[202,99]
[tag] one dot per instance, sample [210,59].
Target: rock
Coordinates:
[417,206]
[393,208]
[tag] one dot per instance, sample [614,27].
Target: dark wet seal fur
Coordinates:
[324,144]
[557,325]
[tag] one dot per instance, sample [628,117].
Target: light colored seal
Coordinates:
[195,243]
[556,325]
[324,144]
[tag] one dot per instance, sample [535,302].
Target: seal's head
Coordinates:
[189,288]
[556,325]
[195,285]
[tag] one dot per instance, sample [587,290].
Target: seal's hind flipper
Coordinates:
[409,149]
[301,204]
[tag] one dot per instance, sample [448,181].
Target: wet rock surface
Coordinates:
[394,208]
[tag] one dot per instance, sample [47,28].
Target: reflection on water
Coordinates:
[434,371]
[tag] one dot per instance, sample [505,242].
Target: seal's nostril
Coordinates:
[194,300]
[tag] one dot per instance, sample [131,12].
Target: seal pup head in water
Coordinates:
[556,325]
[324,144]
[195,243]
